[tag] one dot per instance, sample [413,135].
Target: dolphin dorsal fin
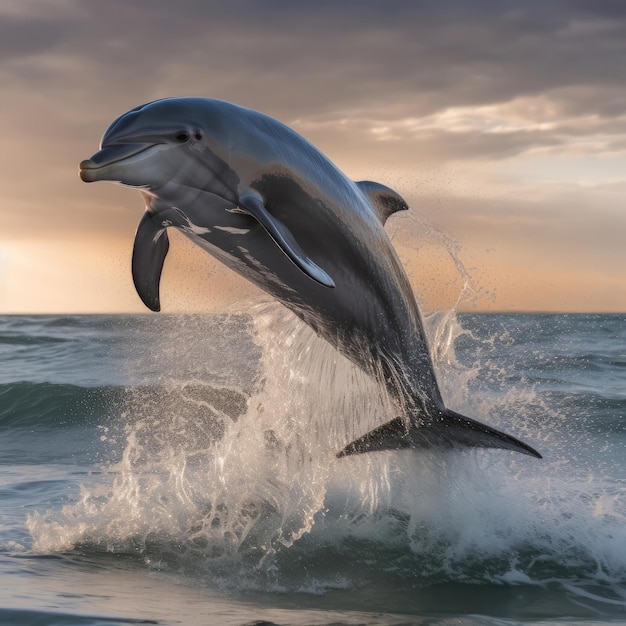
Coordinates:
[385,201]
[252,203]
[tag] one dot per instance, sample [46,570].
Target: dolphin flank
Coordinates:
[269,205]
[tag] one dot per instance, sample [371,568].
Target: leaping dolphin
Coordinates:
[269,205]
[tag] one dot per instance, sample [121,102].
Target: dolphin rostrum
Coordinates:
[269,205]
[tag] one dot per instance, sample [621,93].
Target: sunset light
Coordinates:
[511,145]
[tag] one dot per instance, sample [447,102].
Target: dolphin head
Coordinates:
[161,145]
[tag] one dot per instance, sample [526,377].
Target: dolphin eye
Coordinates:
[182,136]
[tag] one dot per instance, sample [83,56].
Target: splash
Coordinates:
[222,466]
[238,470]
[232,475]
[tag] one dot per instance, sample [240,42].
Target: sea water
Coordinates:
[182,470]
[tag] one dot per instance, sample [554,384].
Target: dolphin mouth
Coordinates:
[108,156]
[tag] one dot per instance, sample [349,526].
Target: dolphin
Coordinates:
[269,205]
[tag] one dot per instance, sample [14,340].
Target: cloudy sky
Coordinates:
[503,123]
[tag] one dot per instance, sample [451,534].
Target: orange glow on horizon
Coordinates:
[71,276]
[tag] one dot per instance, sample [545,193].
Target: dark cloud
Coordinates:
[408,57]
[67,73]
[22,36]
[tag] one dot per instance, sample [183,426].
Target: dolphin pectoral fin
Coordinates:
[449,430]
[253,204]
[385,200]
[149,252]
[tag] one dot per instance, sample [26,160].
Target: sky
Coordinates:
[502,123]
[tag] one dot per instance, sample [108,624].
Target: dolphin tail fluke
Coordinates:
[448,430]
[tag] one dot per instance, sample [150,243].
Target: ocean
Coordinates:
[180,469]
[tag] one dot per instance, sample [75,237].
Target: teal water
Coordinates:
[182,470]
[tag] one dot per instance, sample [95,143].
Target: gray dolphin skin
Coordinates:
[269,205]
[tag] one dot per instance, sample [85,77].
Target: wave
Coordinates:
[29,340]
[243,488]
[46,405]
[58,618]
